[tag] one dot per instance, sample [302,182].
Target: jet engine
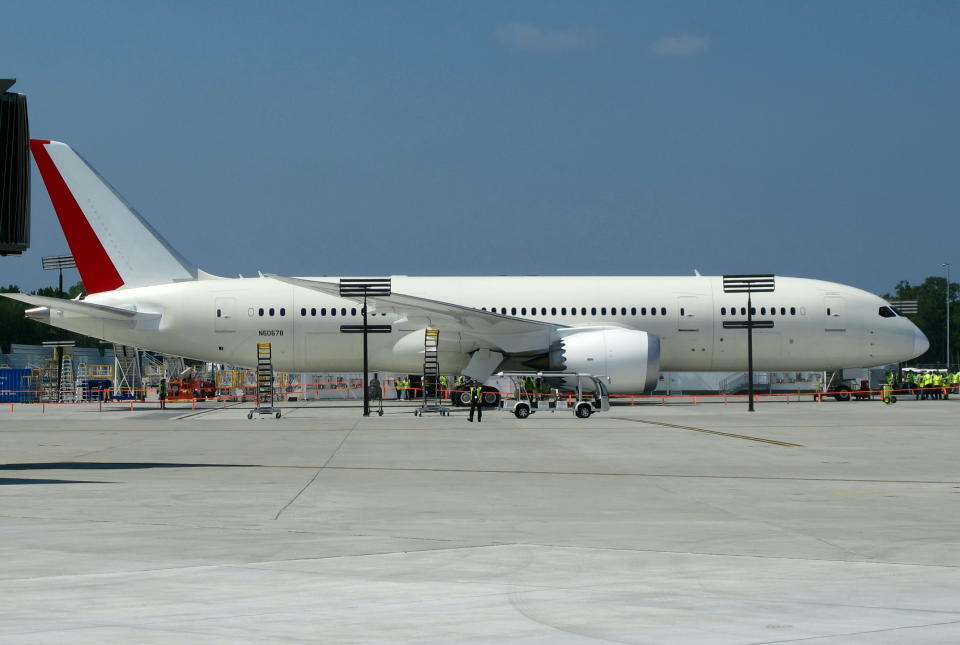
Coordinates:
[630,359]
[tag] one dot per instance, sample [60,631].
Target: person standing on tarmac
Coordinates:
[163,394]
[476,399]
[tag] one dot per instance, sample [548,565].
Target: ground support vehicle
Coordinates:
[583,394]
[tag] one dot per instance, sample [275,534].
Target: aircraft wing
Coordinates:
[80,307]
[477,322]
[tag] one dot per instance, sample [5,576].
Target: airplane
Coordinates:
[143,293]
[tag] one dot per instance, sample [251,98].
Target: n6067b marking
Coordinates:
[271,332]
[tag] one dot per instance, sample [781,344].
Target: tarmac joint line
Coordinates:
[716,432]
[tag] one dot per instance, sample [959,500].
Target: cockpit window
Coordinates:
[887,312]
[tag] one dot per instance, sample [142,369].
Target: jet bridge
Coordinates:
[14,171]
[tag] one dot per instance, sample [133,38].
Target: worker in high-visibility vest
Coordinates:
[443,387]
[476,400]
[458,388]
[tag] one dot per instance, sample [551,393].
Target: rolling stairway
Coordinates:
[68,393]
[264,382]
[127,378]
[431,374]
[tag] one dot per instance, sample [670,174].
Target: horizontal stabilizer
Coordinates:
[80,307]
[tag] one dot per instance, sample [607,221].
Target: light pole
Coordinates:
[947,265]
[749,284]
[59,263]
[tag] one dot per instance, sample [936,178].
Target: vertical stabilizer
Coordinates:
[114,247]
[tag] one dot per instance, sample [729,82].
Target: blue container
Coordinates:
[13,385]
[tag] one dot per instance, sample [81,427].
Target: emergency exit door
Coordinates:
[833,312]
[688,313]
[224,321]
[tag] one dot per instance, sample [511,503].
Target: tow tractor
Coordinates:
[583,394]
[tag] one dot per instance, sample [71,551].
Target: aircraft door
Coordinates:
[833,310]
[688,313]
[225,310]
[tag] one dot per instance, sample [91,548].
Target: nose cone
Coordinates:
[920,342]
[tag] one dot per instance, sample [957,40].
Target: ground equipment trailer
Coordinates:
[583,394]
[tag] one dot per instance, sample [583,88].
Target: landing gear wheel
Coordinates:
[584,411]
[278,415]
[491,398]
[380,413]
[249,415]
[521,411]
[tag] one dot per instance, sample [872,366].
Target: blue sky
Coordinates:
[814,139]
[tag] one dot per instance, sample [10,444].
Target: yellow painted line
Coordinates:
[716,432]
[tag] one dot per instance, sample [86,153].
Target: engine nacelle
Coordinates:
[630,359]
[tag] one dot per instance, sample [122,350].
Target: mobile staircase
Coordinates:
[431,375]
[127,377]
[264,382]
[68,391]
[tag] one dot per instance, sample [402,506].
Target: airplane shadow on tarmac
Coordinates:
[112,465]
[11,481]
[94,465]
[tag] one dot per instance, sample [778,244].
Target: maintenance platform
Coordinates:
[802,522]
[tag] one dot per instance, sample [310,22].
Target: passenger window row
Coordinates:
[332,311]
[574,311]
[264,312]
[764,311]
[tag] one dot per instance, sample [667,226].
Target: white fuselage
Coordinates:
[221,320]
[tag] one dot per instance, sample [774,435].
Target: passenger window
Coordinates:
[218,313]
[793,311]
[523,311]
[723,311]
[753,311]
[271,311]
[681,311]
[553,311]
[323,312]
[783,311]
[343,311]
[283,311]
[563,311]
[828,311]
[303,311]
[603,311]
[653,311]
[633,311]
[333,311]
[353,311]
[260,311]
[643,311]
[663,311]
[763,310]
[513,311]
[593,311]
[503,310]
